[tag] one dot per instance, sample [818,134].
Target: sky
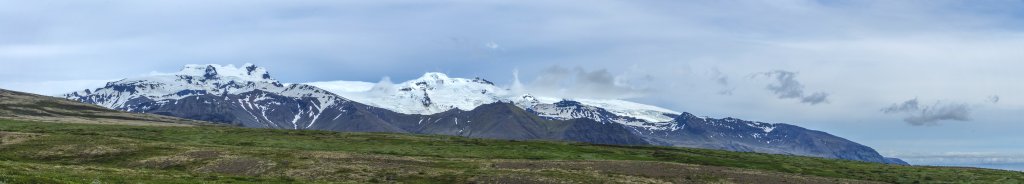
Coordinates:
[931,81]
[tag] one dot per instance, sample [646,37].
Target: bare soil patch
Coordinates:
[239,166]
[9,138]
[79,153]
[513,179]
[183,159]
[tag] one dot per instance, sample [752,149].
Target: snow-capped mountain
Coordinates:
[248,89]
[751,136]
[437,104]
[430,94]
[195,80]
[436,92]
[249,97]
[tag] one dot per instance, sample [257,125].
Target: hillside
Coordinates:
[25,106]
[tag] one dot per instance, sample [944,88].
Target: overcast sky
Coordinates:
[927,80]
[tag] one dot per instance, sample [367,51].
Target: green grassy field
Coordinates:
[34,152]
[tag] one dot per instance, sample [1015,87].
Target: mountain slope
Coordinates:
[437,104]
[32,107]
[507,121]
[741,135]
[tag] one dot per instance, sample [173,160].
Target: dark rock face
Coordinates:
[502,121]
[507,121]
[587,130]
[211,73]
[261,109]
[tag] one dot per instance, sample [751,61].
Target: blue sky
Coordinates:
[834,66]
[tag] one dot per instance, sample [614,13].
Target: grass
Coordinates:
[85,153]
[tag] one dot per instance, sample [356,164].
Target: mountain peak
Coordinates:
[248,72]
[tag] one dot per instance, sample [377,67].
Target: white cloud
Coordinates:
[993,99]
[492,45]
[582,83]
[786,86]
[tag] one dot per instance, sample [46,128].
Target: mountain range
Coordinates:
[249,96]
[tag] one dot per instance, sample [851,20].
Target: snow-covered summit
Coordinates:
[192,80]
[248,72]
[429,94]
[436,79]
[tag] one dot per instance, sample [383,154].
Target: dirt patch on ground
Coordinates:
[670,172]
[513,179]
[164,162]
[323,155]
[238,166]
[203,154]
[9,138]
[387,162]
[180,160]
[80,152]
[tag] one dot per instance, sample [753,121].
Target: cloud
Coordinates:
[384,84]
[517,85]
[931,115]
[918,115]
[492,45]
[816,98]
[787,87]
[993,99]
[578,82]
[722,80]
[907,106]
